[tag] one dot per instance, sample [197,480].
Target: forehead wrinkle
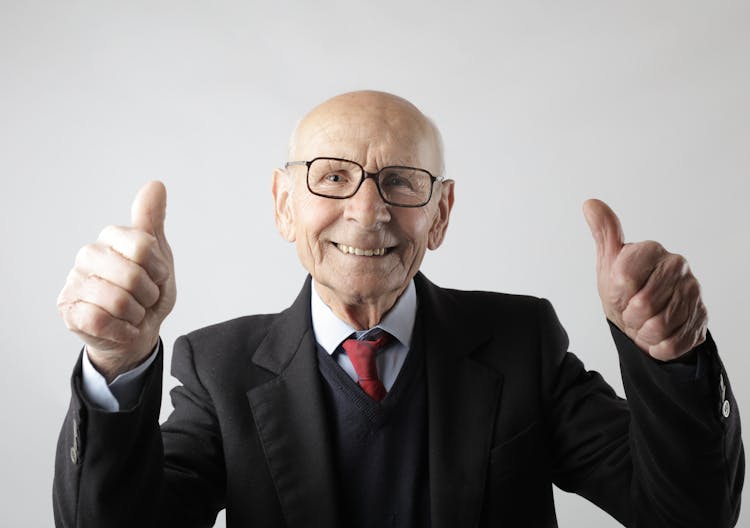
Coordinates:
[373,129]
[382,142]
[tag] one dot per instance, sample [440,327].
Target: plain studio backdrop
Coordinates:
[643,104]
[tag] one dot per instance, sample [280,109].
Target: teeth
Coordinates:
[361,252]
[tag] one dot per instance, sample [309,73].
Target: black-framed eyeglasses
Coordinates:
[339,178]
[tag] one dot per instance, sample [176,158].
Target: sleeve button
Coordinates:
[726,409]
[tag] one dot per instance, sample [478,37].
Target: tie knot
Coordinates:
[362,354]
[365,349]
[377,339]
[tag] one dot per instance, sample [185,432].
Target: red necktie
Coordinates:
[362,355]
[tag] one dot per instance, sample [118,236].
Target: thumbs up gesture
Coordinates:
[122,287]
[649,293]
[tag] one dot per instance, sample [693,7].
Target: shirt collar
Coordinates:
[330,331]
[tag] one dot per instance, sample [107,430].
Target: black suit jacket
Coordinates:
[510,412]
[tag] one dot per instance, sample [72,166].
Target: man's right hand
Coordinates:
[122,287]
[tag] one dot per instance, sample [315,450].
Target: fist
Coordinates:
[649,293]
[122,287]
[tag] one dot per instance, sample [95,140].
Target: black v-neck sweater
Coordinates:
[380,448]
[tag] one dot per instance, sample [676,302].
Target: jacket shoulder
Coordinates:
[248,328]
[491,298]
[488,308]
[225,344]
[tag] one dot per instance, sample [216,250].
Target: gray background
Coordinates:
[542,104]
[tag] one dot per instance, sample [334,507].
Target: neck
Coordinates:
[358,312]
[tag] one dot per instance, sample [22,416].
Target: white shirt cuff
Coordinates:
[124,390]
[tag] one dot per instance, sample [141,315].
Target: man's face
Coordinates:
[331,235]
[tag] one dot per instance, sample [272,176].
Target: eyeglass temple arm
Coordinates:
[297,163]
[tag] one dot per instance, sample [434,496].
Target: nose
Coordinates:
[367,206]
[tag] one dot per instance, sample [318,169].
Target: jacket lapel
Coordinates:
[289,413]
[463,398]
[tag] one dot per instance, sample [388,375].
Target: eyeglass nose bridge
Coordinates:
[375,176]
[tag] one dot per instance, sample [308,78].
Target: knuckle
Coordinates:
[630,318]
[675,263]
[82,319]
[136,281]
[66,311]
[617,302]
[139,314]
[148,289]
[693,287]
[653,247]
[634,315]
[141,286]
[96,322]
[70,325]
[62,303]
[624,284]
[654,329]
[75,280]
[668,351]
[677,259]
[84,255]
[630,249]
[107,233]
[132,279]
[120,305]
[702,314]
[152,295]
[69,291]
[681,267]
[641,304]
[70,321]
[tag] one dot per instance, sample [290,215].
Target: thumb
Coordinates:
[150,208]
[605,228]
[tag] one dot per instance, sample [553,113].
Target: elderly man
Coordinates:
[378,398]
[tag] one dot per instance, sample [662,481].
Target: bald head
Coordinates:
[372,117]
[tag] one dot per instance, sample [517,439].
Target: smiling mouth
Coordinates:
[349,250]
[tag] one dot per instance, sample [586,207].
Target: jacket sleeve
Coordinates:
[111,469]
[669,455]
[685,436]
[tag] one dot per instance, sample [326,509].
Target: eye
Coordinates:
[396,179]
[333,177]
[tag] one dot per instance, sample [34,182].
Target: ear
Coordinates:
[440,222]
[281,188]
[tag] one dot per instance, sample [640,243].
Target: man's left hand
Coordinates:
[649,293]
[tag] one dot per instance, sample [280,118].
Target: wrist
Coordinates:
[111,364]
